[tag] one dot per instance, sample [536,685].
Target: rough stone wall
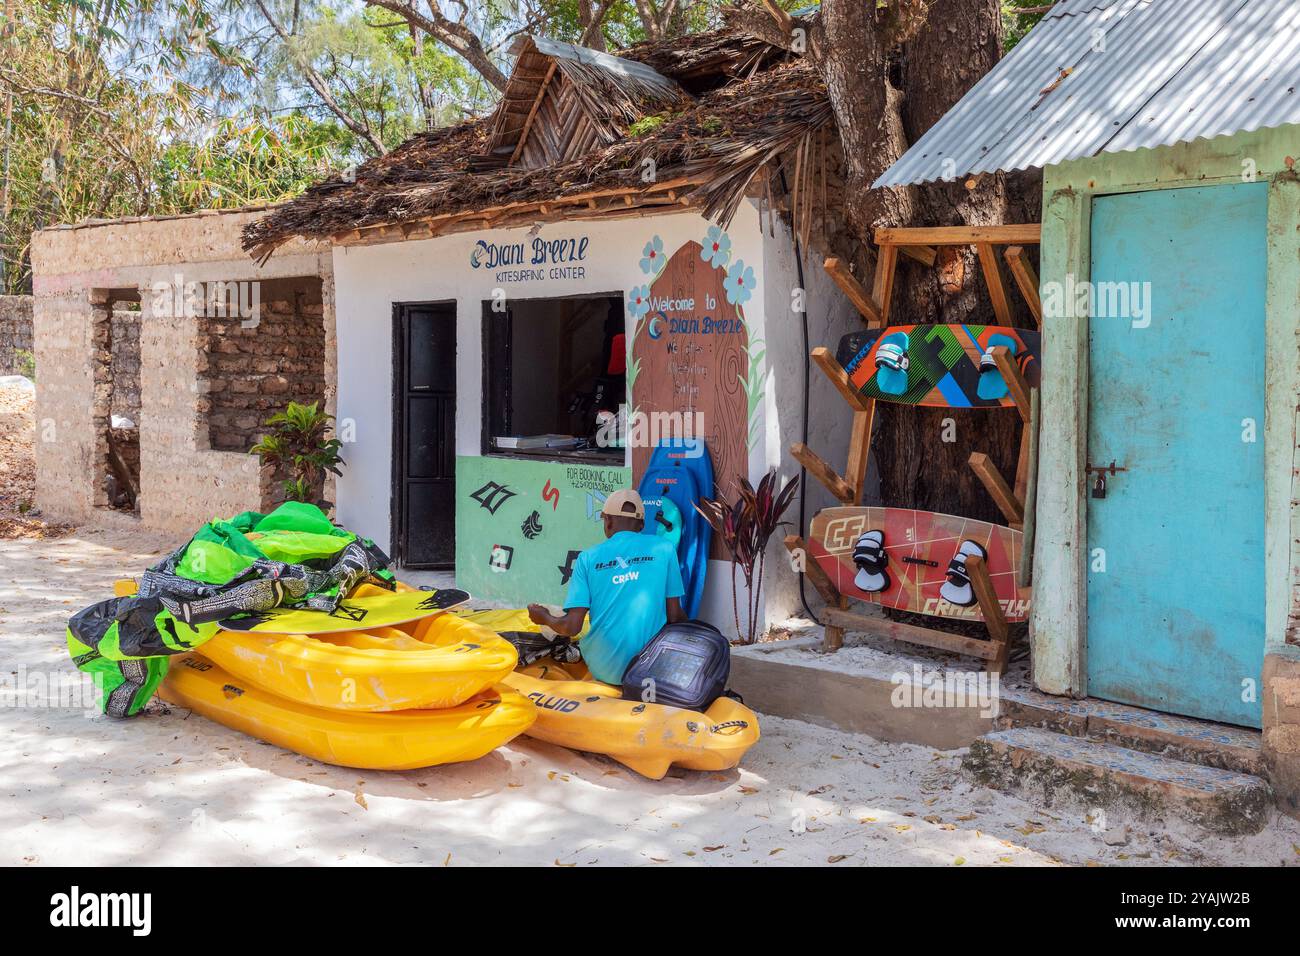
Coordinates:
[125,365]
[1282,726]
[115,362]
[15,331]
[251,373]
[182,480]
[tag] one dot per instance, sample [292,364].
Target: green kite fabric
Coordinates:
[123,644]
[294,556]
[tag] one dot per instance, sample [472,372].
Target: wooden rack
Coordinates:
[1013,500]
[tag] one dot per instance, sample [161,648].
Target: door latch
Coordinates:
[1101,471]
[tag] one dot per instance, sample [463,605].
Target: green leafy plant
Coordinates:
[754,384]
[647,124]
[297,447]
[745,527]
[26,362]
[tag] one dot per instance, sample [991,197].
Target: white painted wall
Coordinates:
[370,279]
[830,315]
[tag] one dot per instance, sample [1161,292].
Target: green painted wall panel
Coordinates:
[518,520]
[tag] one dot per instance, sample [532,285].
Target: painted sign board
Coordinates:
[520,524]
[692,359]
[532,261]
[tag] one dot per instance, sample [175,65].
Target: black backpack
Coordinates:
[684,665]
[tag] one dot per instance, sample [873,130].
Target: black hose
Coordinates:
[807,364]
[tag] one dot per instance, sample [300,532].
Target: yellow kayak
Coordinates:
[648,738]
[438,661]
[403,740]
[366,606]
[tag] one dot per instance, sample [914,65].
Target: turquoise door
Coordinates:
[1176,547]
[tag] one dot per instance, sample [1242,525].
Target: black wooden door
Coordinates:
[425,467]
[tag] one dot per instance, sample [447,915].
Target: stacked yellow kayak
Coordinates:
[439,661]
[392,697]
[577,712]
[396,740]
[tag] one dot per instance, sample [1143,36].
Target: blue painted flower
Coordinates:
[652,256]
[717,248]
[638,301]
[740,282]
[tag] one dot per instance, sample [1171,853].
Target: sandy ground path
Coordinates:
[174,788]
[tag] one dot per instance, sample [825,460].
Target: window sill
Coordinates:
[587,457]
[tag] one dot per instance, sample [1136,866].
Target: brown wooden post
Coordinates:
[797,546]
[994,619]
[882,284]
[853,291]
[1025,573]
[997,288]
[820,469]
[1016,383]
[834,371]
[1026,279]
[926,255]
[987,472]
[860,450]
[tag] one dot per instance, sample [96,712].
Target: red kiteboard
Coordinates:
[914,560]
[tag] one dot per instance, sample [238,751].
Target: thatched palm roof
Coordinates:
[638,112]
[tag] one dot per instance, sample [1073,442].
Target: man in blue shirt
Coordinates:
[631,584]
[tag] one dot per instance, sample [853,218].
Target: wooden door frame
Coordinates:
[1059,632]
[396,504]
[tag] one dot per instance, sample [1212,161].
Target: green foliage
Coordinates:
[26,360]
[263,161]
[102,120]
[382,76]
[1014,24]
[621,27]
[755,385]
[647,124]
[297,446]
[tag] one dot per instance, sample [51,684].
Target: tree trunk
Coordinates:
[887,89]
[852,54]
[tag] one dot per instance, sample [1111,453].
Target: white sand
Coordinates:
[176,788]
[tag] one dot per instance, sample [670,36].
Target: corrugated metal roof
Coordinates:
[606,61]
[1111,75]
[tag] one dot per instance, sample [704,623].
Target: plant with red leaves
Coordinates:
[745,526]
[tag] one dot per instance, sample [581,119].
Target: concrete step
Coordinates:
[1203,742]
[1049,765]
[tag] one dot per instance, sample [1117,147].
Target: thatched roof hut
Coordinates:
[579,134]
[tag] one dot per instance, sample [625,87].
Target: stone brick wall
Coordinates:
[15,331]
[1281,745]
[126,364]
[182,480]
[250,373]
